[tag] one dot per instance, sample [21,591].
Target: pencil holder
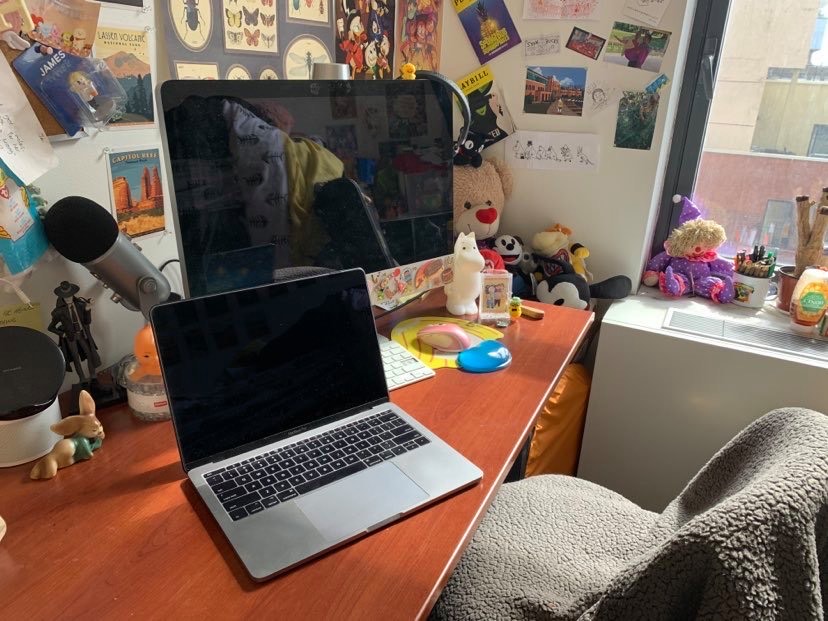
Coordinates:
[750,290]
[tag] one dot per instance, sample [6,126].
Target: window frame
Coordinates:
[693,110]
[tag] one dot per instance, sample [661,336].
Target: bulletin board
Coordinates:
[247,39]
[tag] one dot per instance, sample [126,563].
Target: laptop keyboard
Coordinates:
[258,483]
[400,365]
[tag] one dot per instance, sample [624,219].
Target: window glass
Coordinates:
[766,140]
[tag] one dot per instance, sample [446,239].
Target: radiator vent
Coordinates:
[745,334]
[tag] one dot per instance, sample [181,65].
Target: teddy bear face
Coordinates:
[479,197]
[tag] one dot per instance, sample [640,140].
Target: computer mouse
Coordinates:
[447,337]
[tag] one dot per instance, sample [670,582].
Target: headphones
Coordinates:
[465,110]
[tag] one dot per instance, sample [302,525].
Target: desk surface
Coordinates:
[126,535]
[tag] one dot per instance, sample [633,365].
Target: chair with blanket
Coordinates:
[746,539]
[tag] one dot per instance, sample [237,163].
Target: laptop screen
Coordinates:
[245,366]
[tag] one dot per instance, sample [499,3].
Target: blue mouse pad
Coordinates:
[487,356]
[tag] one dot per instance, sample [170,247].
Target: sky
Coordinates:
[567,76]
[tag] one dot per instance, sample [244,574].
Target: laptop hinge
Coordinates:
[250,446]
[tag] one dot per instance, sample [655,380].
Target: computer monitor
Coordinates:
[268,175]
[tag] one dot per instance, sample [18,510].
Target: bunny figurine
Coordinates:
[464,288]
[86,435]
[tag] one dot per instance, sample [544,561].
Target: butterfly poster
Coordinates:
[317,11]
[250,26]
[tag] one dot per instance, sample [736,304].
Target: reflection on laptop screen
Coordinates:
[245,366]
[248,161]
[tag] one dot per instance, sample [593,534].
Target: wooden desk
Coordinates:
[124,535]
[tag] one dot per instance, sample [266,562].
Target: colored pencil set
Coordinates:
[759,263]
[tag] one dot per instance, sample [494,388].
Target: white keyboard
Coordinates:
[401,366]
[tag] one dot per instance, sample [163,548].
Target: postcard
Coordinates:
[649,12]
[126,53]
[637,46]
[637,114]
[561,9]
[137,192]
[554,90]
[490,116]
[488,26]
[364,38]
[552,151]
[542,45]
[600,95]
[585,43]
[419,32]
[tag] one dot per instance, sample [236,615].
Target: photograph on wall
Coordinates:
[190,24]
[585,43]
[552,151]
[196,71]
[648,11]
[136,190]
[419,32]
[542,45]
[490,116]
[488,26]
[315,11]
[637,46]
[249,28]
[365,38]
[561,9]
[301,54]
[637,114]
[555,90]
[126,53]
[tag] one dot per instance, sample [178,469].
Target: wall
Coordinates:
[611,210]
[787,116]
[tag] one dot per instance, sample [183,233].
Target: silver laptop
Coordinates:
[281,412]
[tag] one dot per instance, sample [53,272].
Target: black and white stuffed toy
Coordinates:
[518,261]
[570,289]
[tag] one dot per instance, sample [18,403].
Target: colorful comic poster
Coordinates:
[365,38]
[560,9]
[490,116]
[126,53]
[555,90]
[488,26]
[636,46]
[314,11]
[137,193]
[637,114]
[250,29]
[419,32]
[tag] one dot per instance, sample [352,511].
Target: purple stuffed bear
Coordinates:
[689,262]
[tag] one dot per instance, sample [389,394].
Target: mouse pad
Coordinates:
[405,333]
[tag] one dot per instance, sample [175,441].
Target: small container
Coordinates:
[751,291]
[809,300]
[146,395]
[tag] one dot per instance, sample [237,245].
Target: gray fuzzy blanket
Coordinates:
[746,539]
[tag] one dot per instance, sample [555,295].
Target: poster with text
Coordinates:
[560,9]
[419,32]
[365,38]
[490,116]
[126,53]
[250,27]
[136,191]
[488,26]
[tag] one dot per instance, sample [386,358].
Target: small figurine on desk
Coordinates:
[71,321]
[464,288]
[86,435]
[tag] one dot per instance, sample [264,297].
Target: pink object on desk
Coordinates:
[447,337]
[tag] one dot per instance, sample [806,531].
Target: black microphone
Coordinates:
[86,233]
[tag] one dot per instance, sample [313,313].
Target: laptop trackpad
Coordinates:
[350,506]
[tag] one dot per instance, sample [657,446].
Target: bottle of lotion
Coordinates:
[809,300]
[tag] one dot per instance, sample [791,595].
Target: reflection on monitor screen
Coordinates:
[275,174]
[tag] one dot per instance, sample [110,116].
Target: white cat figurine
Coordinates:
[464,288]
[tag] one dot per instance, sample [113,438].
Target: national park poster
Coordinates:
[126,53]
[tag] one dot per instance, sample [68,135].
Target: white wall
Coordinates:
[609,211]
[83,171]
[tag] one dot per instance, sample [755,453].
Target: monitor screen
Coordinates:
[274,174]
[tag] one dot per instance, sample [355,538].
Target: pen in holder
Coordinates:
[752,275]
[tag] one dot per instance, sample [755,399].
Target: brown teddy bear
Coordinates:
[479,197]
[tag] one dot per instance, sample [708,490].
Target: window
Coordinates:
[754,102]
